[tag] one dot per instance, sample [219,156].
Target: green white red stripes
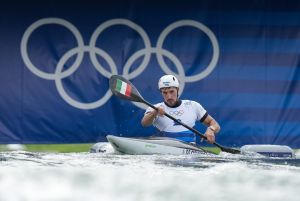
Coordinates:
[123,88]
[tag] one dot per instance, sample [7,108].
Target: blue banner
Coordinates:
[239,59]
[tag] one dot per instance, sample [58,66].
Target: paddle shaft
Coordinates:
[181,123]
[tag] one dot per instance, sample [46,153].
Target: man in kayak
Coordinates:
[186,111]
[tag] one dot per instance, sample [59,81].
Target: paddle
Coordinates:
[125,89]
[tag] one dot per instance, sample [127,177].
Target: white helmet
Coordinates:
[168,81]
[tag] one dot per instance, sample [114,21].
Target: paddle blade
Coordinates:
[230,150]
[124,89]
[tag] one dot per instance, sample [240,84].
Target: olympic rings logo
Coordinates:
[81,48]
[177,112]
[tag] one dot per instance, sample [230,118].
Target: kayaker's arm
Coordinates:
[212,124]
[212,128]
[150,116]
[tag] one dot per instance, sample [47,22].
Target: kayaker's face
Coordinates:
[170,95]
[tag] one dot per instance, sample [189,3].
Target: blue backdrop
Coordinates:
[239,59]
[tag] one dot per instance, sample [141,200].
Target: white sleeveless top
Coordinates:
[187,112]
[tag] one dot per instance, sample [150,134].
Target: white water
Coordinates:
[26,176]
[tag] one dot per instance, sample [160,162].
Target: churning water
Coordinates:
[29,176]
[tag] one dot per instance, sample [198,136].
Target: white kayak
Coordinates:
[165,145]
[152,145]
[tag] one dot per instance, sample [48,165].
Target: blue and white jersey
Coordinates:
[187,112]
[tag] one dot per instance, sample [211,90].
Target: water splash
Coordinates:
[31,176]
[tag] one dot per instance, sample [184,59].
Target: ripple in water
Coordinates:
[106,176]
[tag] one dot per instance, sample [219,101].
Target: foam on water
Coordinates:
[27,176]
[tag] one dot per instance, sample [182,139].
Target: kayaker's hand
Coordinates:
[210,135]
[160,111]
[149,117]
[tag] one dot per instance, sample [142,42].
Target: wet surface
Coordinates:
[36,176]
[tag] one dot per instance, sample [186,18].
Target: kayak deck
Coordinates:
[153,145]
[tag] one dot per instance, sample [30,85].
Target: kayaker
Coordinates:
[187,111]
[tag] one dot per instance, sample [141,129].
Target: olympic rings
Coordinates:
[177,112]
[146,52]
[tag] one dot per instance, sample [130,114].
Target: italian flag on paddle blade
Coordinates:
[123,88]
